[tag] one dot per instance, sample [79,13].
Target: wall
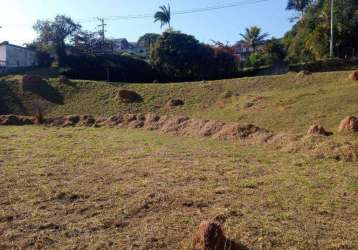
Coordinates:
[20,57]
[2,56]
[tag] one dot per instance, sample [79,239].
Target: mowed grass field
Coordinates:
[112,188]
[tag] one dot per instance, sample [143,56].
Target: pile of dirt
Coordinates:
[175,102]
[354,76]
[348,125]
[318,130]
[128,96]
[17,120]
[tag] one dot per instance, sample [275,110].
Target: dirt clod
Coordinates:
[318,130]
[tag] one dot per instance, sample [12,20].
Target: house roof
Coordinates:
[6,43]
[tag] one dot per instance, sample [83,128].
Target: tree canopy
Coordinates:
[54,33]
[147,40]
[298,5]
[309,40]
[253,36]
[182,57]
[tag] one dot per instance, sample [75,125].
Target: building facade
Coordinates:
[13,56]
[122,45]
[243,50]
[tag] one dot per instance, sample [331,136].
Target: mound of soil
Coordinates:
[318,130]
[209,236]
[348,125]
[354,76]
[128,96]
[17,120]
[175,102]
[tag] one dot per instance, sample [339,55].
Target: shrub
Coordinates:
[326,65]
[128,96]
[115,67]
[225,65]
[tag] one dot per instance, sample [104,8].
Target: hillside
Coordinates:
[97,183]
[288,102]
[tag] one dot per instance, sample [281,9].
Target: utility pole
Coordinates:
[331,46]
[102,25]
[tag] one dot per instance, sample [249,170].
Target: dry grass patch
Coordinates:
[131,189]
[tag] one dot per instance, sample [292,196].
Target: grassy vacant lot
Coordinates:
[279,103]
[99,188]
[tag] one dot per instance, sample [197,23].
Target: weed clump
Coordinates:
[354,76]
[348,125]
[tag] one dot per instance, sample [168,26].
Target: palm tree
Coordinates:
[253,36]
[163,15]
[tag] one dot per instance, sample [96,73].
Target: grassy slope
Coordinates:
[76,188]
[288,103]
[132,189]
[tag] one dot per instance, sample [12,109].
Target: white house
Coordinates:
[13,56]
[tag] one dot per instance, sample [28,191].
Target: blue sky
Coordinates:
[18,16]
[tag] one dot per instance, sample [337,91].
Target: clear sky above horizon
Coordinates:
[18,16]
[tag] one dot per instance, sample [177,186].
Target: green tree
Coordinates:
[163,16]
[309,40]
[253,37]
[55,33]
[274,52]
[147,40]
[298,5]
[181,57]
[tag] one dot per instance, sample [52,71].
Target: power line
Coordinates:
[182,12]
[150,15]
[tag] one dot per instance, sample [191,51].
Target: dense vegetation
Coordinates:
[109,67]
[309,38]
[181,56]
